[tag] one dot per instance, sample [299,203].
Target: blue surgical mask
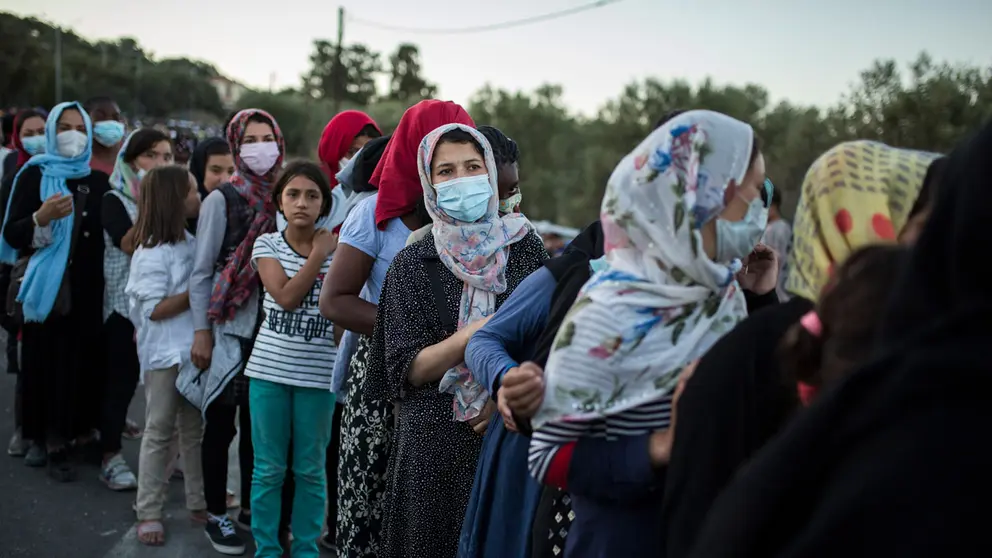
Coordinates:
[108,133]
[141,174]
[34,144]
[465,199]
[736,239]
[597,265]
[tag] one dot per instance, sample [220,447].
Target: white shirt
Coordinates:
[294,347]
[157,273]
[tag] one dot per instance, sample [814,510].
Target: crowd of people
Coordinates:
[411,371]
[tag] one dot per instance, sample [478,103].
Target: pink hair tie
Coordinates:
[807,393]
[811,321]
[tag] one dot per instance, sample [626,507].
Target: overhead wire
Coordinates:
[488,27]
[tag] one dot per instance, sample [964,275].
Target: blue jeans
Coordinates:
[280,413]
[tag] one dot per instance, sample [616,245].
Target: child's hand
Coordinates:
[324,243]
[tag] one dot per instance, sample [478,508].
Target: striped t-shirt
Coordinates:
[293,347]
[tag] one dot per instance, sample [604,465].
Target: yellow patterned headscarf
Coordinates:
[857,193]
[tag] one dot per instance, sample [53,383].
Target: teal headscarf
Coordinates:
[43,277]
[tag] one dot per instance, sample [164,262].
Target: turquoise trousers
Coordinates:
[280,414]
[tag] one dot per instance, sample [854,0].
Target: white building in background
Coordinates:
[228,90]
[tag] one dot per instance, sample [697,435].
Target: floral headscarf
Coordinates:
[238,280]
[855,194]
[124,179]
[476,254]
[662,302]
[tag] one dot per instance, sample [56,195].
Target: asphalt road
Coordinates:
[41,518]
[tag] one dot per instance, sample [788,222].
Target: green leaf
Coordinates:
[678,275]
[564,338]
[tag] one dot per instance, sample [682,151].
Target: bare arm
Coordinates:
[170,307]
[289,293]
[432,362]
[339,297]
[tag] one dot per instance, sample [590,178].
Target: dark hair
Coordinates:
[459,136]
[369,131]
[313,173]
[668,116]
[931,183]
[776,198]
[505,150]
[17,121]
[215,148]
[141,141]
[8,125]
[850,310]
[92,102]
[161,206]
[261,119]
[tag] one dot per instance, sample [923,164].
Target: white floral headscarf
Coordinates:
[662,302]
[476,254]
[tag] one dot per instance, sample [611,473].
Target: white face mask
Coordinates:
[260,157]
[72,143]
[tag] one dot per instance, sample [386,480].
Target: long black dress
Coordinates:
[61,356]
[432,465]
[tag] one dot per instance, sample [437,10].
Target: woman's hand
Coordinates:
[660,445]
[760,272]
[56,207]
[480,423]
[523,389]
[203,349]
[325,243]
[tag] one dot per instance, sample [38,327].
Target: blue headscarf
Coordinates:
[43,277]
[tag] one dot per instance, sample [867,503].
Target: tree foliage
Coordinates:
[119,69]
[566,158]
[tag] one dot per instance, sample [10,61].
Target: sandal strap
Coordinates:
[150,526]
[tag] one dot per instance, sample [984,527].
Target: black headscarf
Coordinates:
[891,461]
[368,158]
[198,162]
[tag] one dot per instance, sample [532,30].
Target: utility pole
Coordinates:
[339,77]
[58,65]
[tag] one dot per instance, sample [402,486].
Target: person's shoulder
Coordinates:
[271,240]
[412,257]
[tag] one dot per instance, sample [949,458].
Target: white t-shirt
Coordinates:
[295,347]
[157,273]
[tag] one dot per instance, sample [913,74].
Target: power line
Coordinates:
[488,27]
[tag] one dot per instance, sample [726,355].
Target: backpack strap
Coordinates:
[433,265]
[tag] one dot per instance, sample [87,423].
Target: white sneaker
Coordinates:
[117,475]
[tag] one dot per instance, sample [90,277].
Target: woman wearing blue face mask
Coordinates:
[108,132]
[28,140]
[144,150]
[437,293]
[53,226]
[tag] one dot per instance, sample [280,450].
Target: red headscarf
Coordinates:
[337,138]
[397,175]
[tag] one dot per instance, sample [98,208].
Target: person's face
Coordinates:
[738,197]
[300,201]
[258,132]
[159,154]
[456,160]
[508,180]
[33,126]
[191,205]
[106,111]
[218,171]
[70,119]
[356,144]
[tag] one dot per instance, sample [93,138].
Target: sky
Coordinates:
[803,51]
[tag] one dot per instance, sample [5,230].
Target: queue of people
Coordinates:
[409,374]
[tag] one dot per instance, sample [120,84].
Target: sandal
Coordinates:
[151,532]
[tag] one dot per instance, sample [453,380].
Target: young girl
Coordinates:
[158,296]
[837,336]
[290,365]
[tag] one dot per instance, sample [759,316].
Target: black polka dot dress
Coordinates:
[433,460]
